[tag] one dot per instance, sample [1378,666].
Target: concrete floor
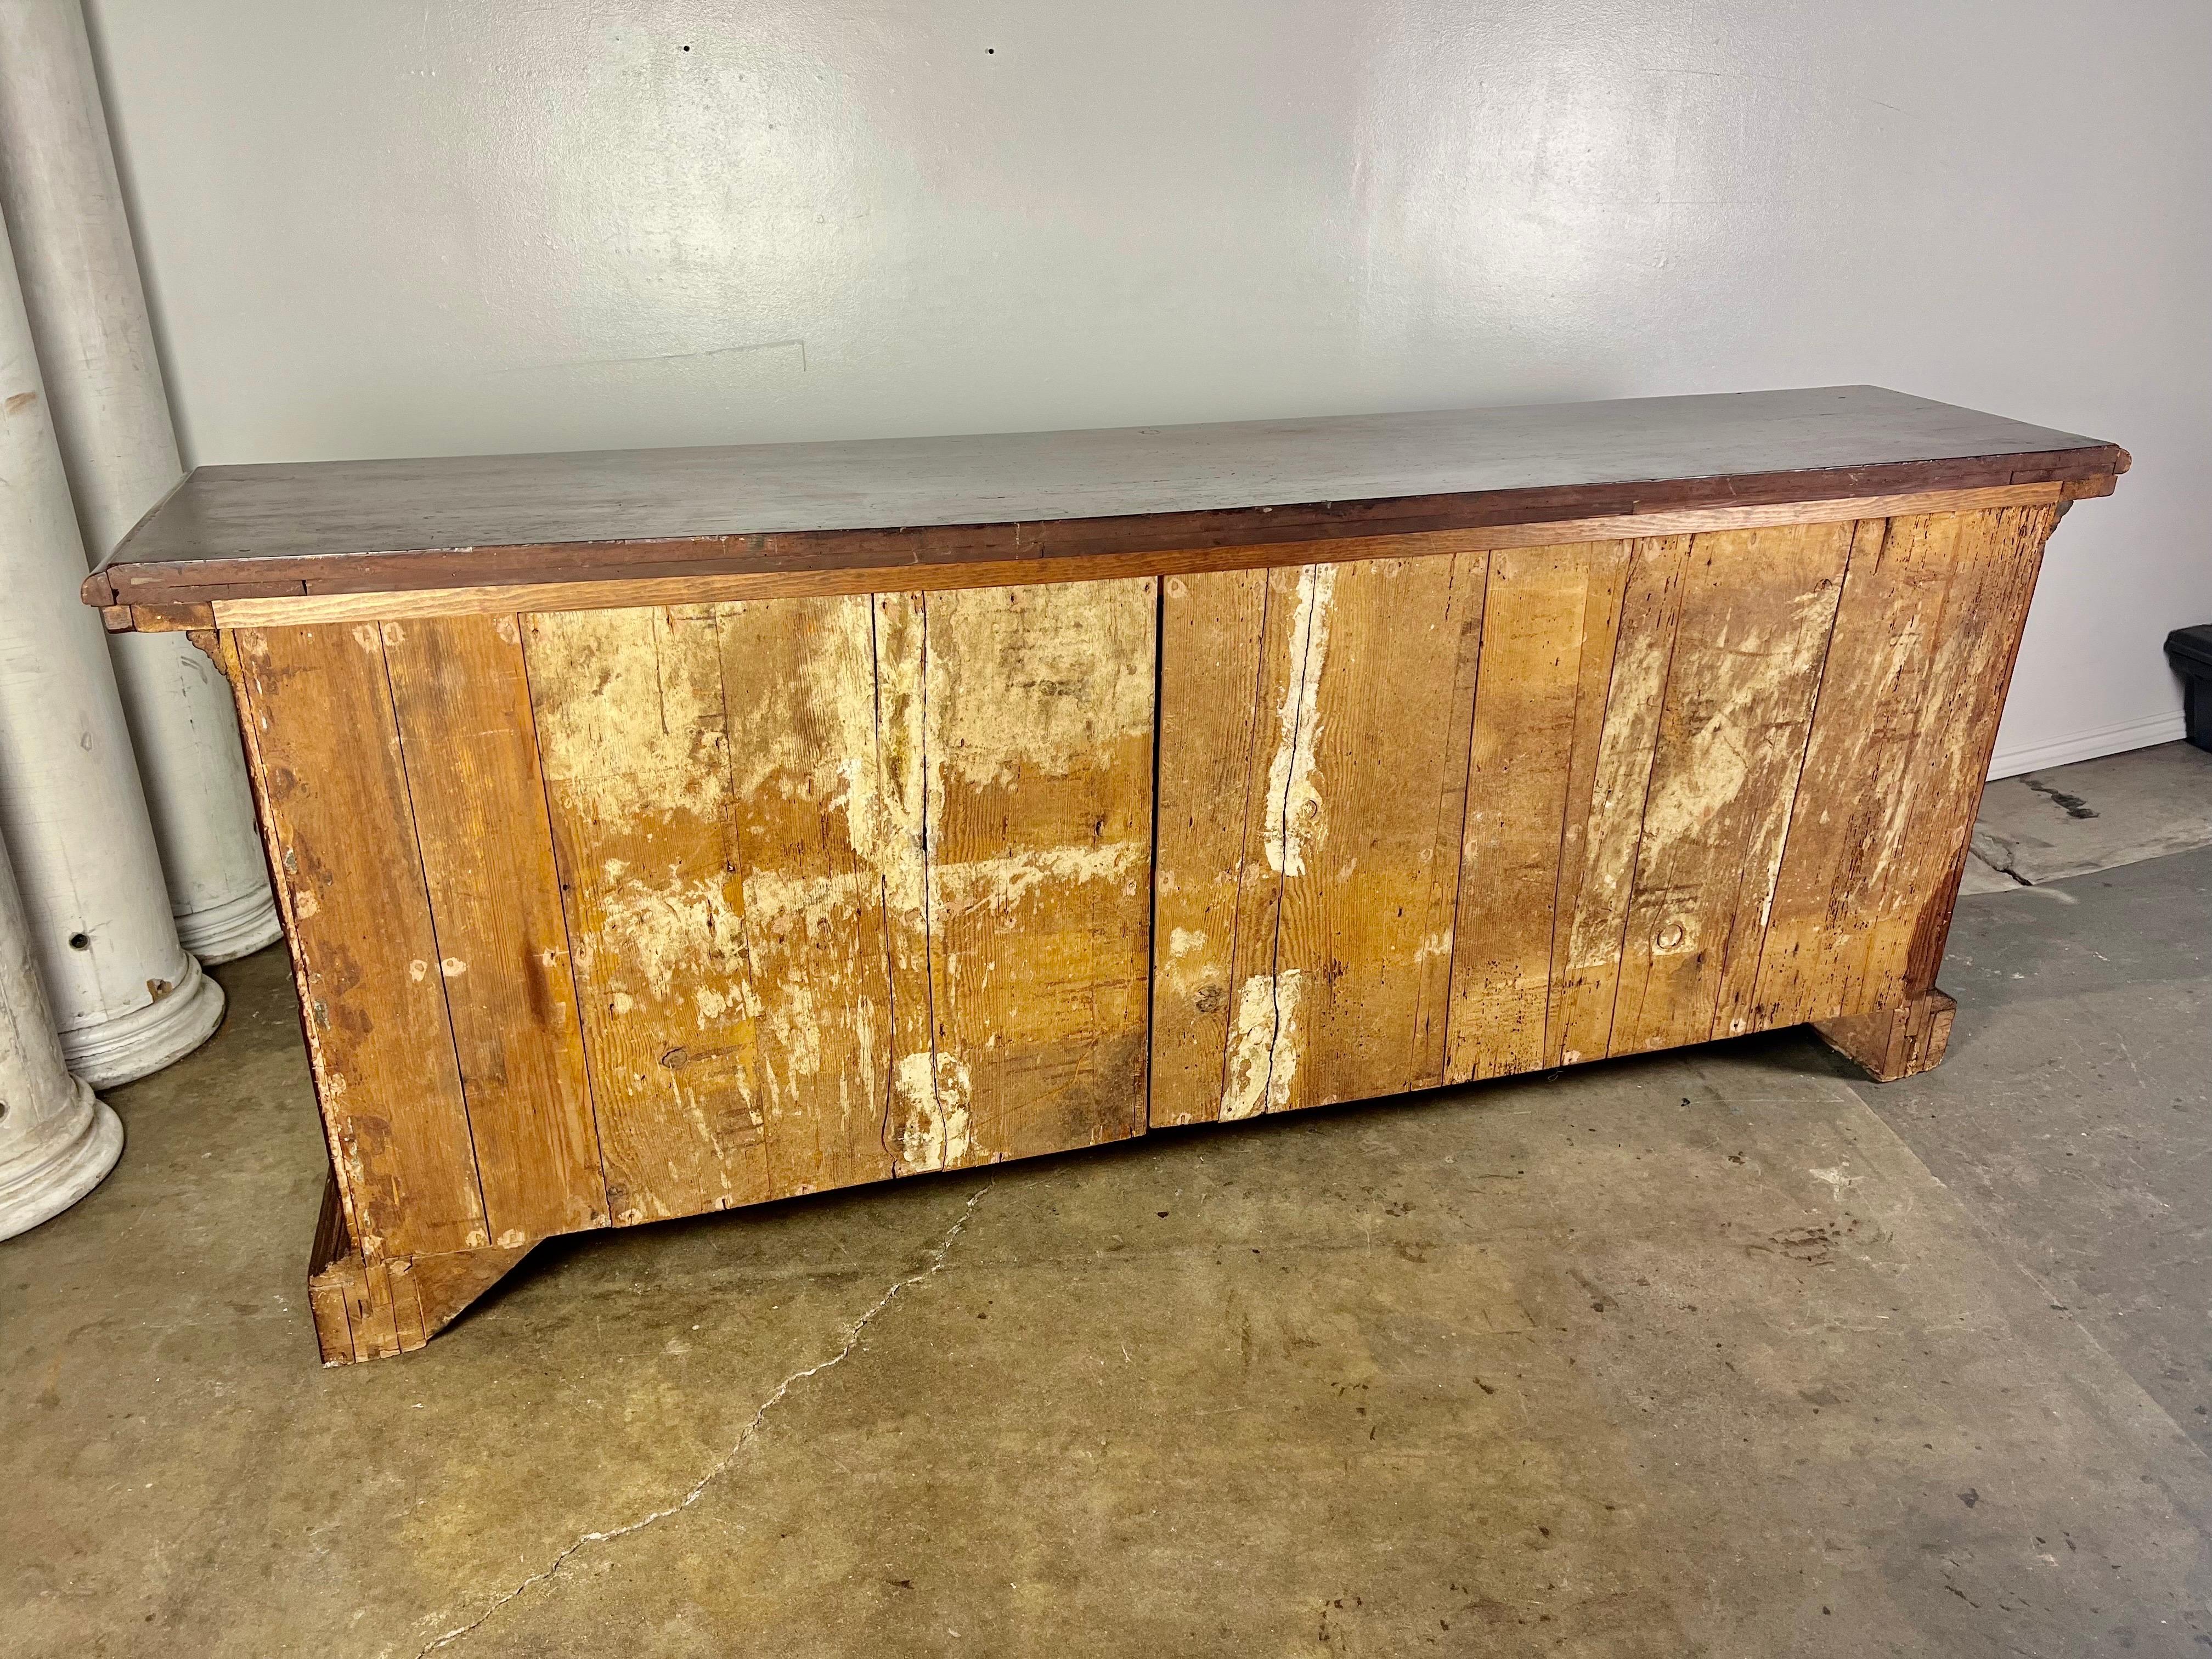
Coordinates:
[1715,1352]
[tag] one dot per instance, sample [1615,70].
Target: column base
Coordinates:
[76,1161]
[140,1042]
[233,928]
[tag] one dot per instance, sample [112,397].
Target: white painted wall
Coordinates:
[521,224]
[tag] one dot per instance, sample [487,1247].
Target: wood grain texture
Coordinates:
[1854,815]
[318,706]
[1550,618]
[1213,721]
[626,912]
[1335,979]
[1605,827]
[856,887]
[469,744]
[1998,555]
[706,571]
[467,520]
[632,730]
[1756,613]
[810,823]
[1368,899]
[372,1309]
[1890,1044]
[1038,812]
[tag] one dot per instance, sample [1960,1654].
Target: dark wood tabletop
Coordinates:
[333,526]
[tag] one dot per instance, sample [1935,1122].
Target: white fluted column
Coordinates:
[88,310]
[126,996]
[57,1141]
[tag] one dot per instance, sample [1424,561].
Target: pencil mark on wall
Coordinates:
[753,350]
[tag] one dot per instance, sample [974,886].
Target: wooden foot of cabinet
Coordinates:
[1895,1043]
[370,1310]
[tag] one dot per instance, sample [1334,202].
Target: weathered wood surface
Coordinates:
[1545,670]
[1047,502]
[615,914]
[325,749]
[941,561]
[1309,846]
[366,1309]
[1891,1043]
[1036,715]
[817,852]
[633,726]
[1713,784]
[469,745]
[1751,638]
[1604,828]
[858,888]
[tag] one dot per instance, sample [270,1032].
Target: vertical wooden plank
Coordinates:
[902,854]
[469,747]
[320,710]
[1375,780]
[799,677]
[1998,554]
[1598,860]
[1854,806]
[1267,832]
[1212,627]
[1756,615]
[1038,810]
[1550,618]
[634,744]
[1344,863]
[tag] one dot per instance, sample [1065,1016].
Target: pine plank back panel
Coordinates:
[662,879]
[1711,785]
[668,832]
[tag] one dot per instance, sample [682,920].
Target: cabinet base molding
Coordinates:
[372,1310]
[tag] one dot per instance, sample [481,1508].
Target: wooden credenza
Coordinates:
[661,832]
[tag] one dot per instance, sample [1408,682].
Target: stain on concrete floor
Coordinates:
[1681,1355]
[2074,1113]
[2093,815]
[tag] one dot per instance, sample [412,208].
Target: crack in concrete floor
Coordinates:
[936,1258]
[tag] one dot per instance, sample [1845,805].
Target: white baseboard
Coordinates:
[2087,745]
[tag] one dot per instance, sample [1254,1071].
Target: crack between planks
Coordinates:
[1311,602]
[853,1332]
[874,834]
[1243,847]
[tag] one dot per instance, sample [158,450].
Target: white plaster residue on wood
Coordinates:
[799,738]
[1002,882]
[1297,820]
[934,1131]
[1036,681]
[775,898]
[686,926]
[630,709]
[1263,1045]
[797,1028]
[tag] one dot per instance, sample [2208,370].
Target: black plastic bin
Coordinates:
[2190,651]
